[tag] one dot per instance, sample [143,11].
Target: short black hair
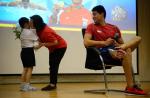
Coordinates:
[22,21]
[100,9]
[38,22]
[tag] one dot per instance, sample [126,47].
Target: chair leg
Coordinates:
[106,89]
[104,71]
[105,78]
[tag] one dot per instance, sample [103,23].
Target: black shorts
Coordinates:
[108,58]
[28,57]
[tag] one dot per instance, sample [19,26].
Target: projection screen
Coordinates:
[67,18]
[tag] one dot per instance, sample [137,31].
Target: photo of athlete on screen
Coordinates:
[22,3]
[73,15]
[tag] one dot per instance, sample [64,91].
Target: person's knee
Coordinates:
[25,69]
[128,52]
[138,38]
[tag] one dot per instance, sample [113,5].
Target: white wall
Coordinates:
[73,61]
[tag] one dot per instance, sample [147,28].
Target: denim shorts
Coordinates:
[108,58]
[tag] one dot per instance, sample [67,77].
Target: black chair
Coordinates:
[94,61]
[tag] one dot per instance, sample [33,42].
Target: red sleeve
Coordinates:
[89,29]
[118,31]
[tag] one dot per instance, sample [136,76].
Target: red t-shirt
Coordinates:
[75,16]
[49,35]
[102,33]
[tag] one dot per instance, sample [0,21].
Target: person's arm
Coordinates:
[119,39]
[89,42]
[119,42]
[48,44]
[37,44]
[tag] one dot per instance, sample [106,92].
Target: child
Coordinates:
[28,37]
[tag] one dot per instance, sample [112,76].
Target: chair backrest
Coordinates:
[92,58]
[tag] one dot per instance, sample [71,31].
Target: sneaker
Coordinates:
[48,88]
[31,88]
[27,87]
[24,88]
[135,90]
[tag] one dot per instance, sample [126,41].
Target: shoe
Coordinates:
[31,88]
[24,87]
[135,90]
[48,88]
[27,87]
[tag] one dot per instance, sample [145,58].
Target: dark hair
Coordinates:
[22,21]
[100,9]
[38,22]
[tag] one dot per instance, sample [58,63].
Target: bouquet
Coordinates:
[17,30]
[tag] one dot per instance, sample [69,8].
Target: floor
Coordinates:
[68,90]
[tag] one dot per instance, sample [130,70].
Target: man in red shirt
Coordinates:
[56,45]
[108,36]
[75,15]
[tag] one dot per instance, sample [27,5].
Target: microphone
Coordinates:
[116,36]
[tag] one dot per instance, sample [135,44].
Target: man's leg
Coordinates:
[132,44]
[127,66]
[127,59]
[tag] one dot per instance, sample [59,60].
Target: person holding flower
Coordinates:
[27,37]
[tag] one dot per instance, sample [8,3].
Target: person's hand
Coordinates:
[38,46]
[120,53]
[116,44]
[118,47]
[117,54]
[109,41]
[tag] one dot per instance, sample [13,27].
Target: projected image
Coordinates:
[14,9]
[69,13]
[22,3]
[73,14]
[67,18]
